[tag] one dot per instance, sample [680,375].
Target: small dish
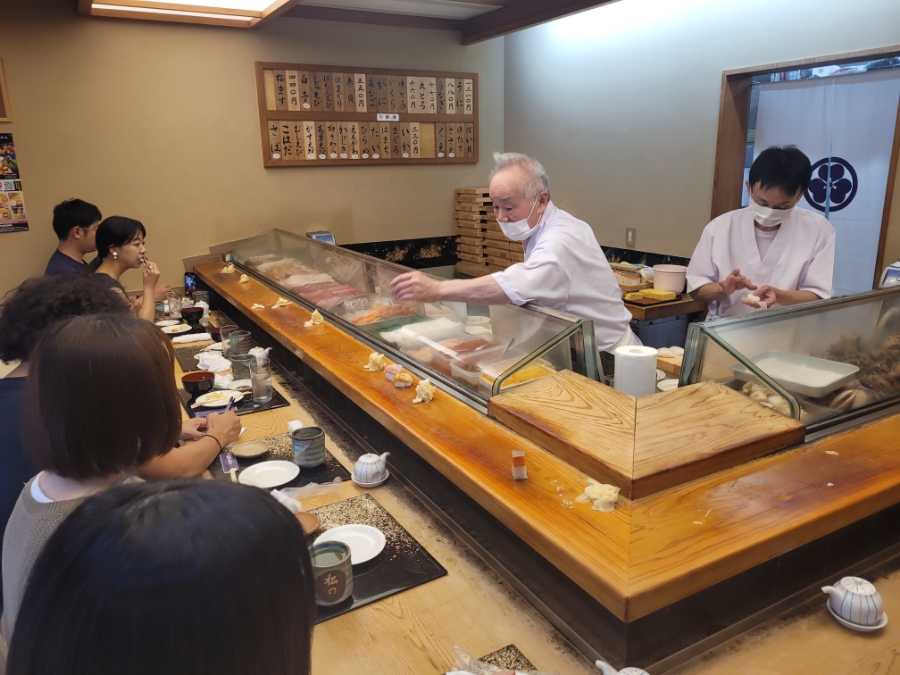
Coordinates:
[858,627]
[174,330]
[218,399]
[167,322]
[308,521]
[215,347]
[365,541]
[387,474]
[250,449]
[269,474]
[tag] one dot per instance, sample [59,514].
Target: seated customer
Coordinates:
[177,579]
[75,223]
[24,314]
[120,247]
[100,403]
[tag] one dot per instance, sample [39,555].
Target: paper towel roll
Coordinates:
[635,370]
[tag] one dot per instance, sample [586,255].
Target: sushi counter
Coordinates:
[724,508]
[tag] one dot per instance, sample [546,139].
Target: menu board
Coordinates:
[315,115]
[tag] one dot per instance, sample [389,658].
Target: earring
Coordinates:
[115,255]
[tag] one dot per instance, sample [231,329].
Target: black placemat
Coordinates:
[280,448]
[403,564]
[185,354]
[509,657]
[246,406]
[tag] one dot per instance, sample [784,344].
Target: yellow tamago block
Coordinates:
[654,294]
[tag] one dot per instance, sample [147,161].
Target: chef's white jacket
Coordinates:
[801,258]
[565,269]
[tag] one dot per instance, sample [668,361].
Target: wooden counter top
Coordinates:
[646,554]
[683,305]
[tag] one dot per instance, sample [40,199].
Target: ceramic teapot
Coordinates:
[855,600]
[609,670]
[370,468]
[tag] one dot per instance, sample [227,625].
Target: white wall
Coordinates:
[621,103]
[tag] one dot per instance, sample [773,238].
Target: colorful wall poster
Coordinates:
[12,202]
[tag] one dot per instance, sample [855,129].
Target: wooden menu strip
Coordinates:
[464,445]
[330,113]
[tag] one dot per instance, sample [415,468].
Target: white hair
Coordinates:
[536,178]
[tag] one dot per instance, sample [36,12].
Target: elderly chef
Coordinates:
[564,267]
[770,250]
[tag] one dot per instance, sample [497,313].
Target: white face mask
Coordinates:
[519,230]
[768,217]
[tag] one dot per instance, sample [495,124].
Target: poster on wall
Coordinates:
[12,202]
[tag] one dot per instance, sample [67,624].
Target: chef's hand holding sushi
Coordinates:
[770,253]
[564,268]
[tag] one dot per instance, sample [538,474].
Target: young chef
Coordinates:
[75,223]
[564,267]
[770,250]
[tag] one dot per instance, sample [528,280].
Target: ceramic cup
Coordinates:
[308,444]
[332,572]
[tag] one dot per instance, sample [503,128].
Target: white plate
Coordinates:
[372,485]
[167,322]
[365,541]
[219,399]
[173,330]
[855,626]
[215,347]
[269,474]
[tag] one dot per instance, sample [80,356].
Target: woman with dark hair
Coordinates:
[178,578]
[120,247]
[100,404]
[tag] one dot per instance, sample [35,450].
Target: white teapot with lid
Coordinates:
[371,468]
[856,601]
[609,670]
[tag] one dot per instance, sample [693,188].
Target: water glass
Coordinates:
[261,380]
[239,342]
[174,299]
[200,296]
[240,366]
[224,332]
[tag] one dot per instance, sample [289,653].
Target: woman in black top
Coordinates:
[120,247]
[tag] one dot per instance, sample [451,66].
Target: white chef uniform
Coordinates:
[565,269]
[800,258]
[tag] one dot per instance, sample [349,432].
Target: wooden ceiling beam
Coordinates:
[521,14]
[373,18]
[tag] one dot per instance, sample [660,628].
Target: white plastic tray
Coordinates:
[805,375]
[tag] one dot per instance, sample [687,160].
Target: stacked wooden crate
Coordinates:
[481,246]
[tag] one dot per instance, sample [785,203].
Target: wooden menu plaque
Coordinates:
[315,115]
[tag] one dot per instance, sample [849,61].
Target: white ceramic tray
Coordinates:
[805,375]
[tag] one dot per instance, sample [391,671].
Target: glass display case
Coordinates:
[471,351]
[823,363]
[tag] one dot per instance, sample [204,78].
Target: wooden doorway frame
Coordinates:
[734,122]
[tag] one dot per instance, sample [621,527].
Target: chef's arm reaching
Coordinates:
[776,296]
[418,287]
[716,290]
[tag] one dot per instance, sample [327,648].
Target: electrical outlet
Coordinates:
[630,237]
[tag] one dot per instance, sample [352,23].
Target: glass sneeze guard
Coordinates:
[822,362]
[471,351]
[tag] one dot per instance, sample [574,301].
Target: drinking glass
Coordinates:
[174,299]
[240,366]
[224,332]
[240,342]
[261,380]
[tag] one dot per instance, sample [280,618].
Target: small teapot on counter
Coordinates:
[856,601]
[371,468]
[609,670]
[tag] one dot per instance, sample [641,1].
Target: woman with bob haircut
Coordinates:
[177,578]
[100,401]
[120,247]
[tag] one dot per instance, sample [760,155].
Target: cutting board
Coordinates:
[646,302]
[647,444]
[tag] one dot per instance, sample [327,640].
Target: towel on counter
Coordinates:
[199,337]
[212,361]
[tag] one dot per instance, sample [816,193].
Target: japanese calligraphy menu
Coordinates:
[313,115]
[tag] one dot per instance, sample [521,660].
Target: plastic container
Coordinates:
[805,375]
[467,375]
[669,278]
